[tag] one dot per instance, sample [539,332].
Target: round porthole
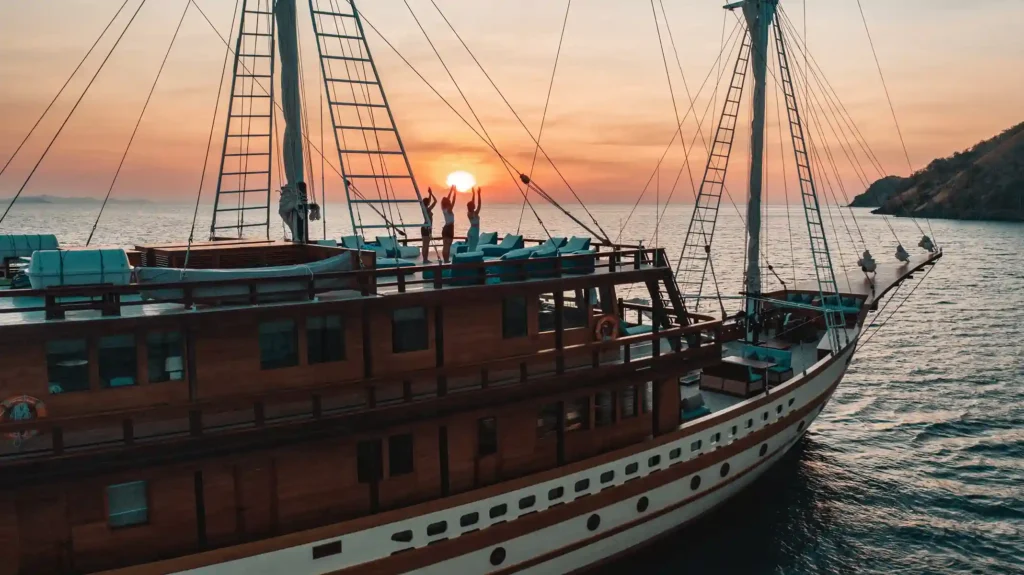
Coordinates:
[498,556]
[593,522]
[641,504]
[724,470]
[764,449]
[695,482]
[800,427]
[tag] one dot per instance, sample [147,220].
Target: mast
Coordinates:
[759,15]
[294,203]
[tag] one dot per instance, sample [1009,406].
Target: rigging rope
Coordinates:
[138,122]
[61,91]
[277,105]
[486,137]
[678,131]
[893,313]
[536,141]
[72,112]
[213,125]
[892,109]
[544,115]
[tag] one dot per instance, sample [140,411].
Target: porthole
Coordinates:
[402,536]
[733,431]
[641,504]
[437,528]
[778,408]
[716,438]
[556,493]
[654,460]
[582,485]
[695,482]
[791,400]
[593,522]
[764,449]
[527,502]
[498,511]
[607,476]
[498,556]
[469,519]
[800,427]
[764,416]
[632,468]
[675,453]
[724,470]
[750,423]
[695,446]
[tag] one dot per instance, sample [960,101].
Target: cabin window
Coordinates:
[368,461]
[127,504]
[581,485]
[675,453]
[279,344]
[632,468]
[118,360]
[607,476]
[574,309]
[648,397]
[67,365]
[164,356]
[627,402]
[325,339]
[400,454]
[487,436]
[527,502]
[577,415]
[409,330]
[556,493]
[547,422]
[438,528]
[546,313]
[513,317]
[604,409]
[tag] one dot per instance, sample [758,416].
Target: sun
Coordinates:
[463,181]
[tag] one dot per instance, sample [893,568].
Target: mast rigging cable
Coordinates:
[138,122]
[72,112]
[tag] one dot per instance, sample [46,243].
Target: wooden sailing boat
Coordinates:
[327,422]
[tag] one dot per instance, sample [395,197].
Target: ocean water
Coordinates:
[917,464]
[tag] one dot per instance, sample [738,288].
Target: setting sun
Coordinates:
[463,181]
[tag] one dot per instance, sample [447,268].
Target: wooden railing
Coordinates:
[531,368]
[108,298]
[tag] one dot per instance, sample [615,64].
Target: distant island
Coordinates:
[985,182]
[45,199]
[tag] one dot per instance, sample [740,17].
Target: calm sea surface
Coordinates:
[917,464]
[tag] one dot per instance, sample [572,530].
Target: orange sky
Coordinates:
[955,71]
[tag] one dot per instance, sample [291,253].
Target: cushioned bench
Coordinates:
[394,249]
[783,360]
[509,243]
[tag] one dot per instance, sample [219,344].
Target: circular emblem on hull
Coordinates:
[21,408]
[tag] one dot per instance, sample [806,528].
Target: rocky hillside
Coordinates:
[985,182]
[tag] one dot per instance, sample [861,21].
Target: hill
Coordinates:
[985,182]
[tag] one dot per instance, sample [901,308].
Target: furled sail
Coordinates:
[293,204]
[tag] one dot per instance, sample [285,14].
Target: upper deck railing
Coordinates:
[110,299]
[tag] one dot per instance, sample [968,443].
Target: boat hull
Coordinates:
[612,516]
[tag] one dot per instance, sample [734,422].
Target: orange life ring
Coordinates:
[21,408]
[607,328]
